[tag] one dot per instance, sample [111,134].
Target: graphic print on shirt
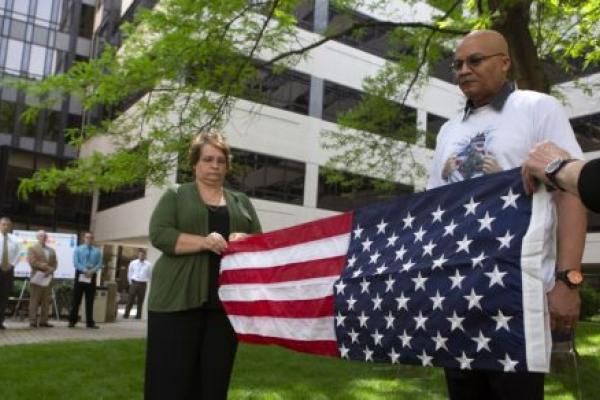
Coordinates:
[469,157]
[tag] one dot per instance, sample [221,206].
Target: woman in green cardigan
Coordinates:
[191,344]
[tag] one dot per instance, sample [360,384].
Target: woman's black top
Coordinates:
[218,221]
[589,185]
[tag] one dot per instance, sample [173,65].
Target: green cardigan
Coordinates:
[180,282]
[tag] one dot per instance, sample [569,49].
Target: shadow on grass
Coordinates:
[272,373]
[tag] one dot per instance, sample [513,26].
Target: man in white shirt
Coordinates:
[138,274]
[495,132]
[9,256]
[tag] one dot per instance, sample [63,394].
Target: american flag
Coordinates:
[449,278]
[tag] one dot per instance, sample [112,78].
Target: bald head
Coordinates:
[487,39]
[481,65]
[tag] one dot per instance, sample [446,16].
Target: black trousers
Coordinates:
[189,355]
[494,385]
[6,284]
[137,291]
[79,289]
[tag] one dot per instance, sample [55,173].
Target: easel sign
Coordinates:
[63,243]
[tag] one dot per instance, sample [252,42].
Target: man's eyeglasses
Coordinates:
[472,61]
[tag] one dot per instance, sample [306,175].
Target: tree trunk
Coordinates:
[513,23]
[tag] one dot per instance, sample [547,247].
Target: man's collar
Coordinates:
[496,102]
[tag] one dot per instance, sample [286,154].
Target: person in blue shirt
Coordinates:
[87,261]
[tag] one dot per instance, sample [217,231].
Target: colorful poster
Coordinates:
[63,243]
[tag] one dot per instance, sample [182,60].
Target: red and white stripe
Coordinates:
[277,288]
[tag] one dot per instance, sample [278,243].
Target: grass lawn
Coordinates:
[114,370]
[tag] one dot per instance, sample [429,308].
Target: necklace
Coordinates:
[215,207]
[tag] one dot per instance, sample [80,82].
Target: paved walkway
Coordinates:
[19,332]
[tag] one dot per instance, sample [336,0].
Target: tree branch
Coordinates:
[367,24]
[423,60]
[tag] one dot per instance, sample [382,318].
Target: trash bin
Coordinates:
[99,305]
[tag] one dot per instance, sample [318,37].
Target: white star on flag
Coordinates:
[377,337]
[419,234]
[463,245]
[496,277]
[419,282]
[428,248]
[478,261]
[367,244]
[374,257]
[465,362]
[440,341]
[389,284]
[425,359]
[456,322]
[364,285]
[377,302]
[362,319]
[391,241]
[408,221]
[508,364]
[381,226]
[471,206]
[482,342]
[505,240]
[437,301]
[405,339]
[351,301]
[394,356]
[439,262]
[420,320]
[400,253]
[449,229]
[486,222]
[358,232]
[368,354]
[340,286]
[389,320]
[510,200]
[473,299]
[456,279]
[437,214]
[402,302]
[501,321]
[339,319]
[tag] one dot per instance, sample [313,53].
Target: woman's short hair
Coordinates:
[215,139]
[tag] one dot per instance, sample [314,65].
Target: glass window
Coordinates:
[40,35]
[17,30]
[267,177]
[14,54]
[120,196]
[344,191]
[287,91]
[373,40]
[20,9]
[37,60]
[86,21]
[434,124]
[305,14]
[338,99]
[43,12]
[53,127]
[7,115]
[392,119]
[587,131]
